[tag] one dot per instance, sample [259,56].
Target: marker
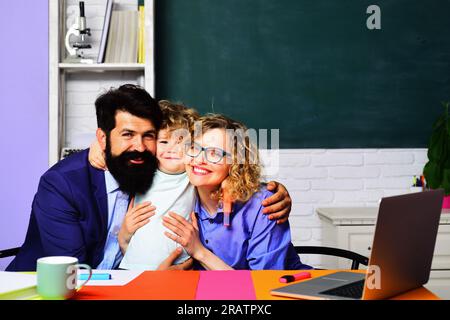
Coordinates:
[295,277]
[95,276]
[227,208]
[418,183]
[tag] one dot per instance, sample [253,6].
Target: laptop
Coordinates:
[402,252]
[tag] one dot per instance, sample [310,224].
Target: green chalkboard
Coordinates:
[310,68]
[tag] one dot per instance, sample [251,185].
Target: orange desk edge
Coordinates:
[182,285]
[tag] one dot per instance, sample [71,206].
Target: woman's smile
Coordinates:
[200,171]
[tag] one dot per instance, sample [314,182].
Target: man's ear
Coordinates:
[101,138]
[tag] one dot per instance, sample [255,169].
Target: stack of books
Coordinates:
[123,36]
[18,286]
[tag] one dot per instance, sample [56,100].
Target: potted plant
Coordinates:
[437,169]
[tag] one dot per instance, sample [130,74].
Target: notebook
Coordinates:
[17,286]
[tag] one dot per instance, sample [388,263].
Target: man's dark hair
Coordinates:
[128,98]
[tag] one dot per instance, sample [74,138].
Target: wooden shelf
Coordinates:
[102,66]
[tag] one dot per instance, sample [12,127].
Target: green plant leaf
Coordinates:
[446,181]
[438,145]
[437,169]
[433,174]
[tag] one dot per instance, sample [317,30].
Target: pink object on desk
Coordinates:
[446,202]
[225,285]
[295,277]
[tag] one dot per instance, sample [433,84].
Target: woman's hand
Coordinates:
[96,156]
[135,218]
[185,233]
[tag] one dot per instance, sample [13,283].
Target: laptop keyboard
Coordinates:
[352,290]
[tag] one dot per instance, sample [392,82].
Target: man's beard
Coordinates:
[132,178]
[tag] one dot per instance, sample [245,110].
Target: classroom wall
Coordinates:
[23,113]
[82,89]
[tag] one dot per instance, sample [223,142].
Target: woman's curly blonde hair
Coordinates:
[245,171]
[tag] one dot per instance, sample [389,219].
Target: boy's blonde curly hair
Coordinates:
[245,171]
[177,115]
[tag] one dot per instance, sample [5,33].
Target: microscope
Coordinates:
[75,49]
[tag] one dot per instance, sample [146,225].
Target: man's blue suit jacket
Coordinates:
[69,215]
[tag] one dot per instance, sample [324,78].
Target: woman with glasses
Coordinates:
[221,238]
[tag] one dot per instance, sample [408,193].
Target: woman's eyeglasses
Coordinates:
[213,155]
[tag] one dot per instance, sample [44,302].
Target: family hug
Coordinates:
[144,197]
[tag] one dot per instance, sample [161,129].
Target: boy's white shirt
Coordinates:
[149,246]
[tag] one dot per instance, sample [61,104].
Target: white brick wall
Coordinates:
[82,89]
[340,178]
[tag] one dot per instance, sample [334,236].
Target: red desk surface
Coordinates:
[209,285]
[150,285]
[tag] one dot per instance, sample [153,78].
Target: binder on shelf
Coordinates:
[129,46]
[141,46]
[104,38]
[122,44]
[112,35]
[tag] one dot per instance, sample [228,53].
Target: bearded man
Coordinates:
[78,210]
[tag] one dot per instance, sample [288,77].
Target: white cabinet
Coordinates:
[63,75]
[354,239]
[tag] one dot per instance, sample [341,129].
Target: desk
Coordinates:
[199,285]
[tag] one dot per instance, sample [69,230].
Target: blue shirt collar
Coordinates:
[111,183]
[203,214]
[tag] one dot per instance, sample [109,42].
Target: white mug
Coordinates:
[57,277]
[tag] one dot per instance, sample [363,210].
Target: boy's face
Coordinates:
[170,152]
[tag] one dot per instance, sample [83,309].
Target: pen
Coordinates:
[95,276]
[295,277]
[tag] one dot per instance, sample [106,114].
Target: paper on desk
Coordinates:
[12,281]
[118,277]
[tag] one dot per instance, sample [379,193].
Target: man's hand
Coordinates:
[167,264]
[279,204]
